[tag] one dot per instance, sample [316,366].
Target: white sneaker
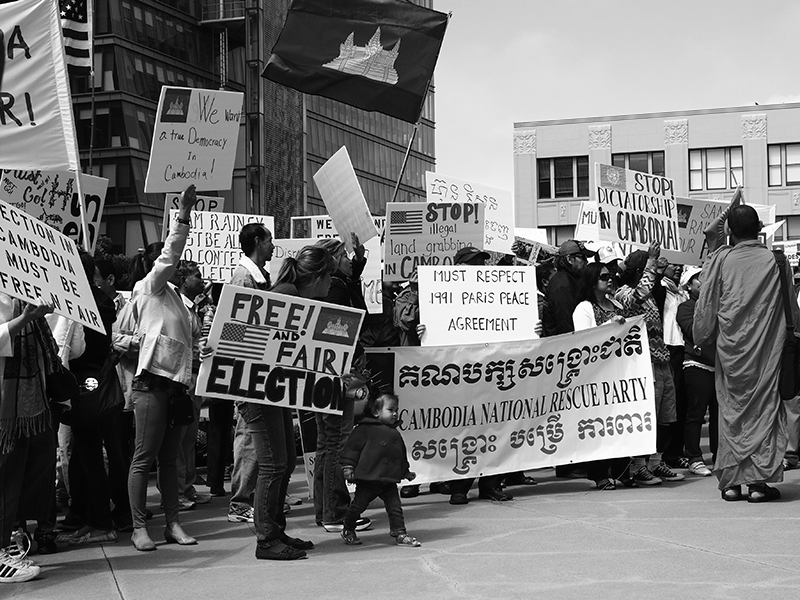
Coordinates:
[699,468]
[13,570]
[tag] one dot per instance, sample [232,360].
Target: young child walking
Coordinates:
[375,459]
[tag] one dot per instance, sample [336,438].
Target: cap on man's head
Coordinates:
[606,254]
[688,274]
[571,247]
[469,253]
[636,260]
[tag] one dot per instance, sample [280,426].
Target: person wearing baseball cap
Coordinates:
[562,292]
[470,255]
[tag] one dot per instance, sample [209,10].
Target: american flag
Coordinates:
[239,340]
[76,23]
[406,222]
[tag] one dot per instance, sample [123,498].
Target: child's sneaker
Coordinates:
[13,570]
[404,539]
[350,538]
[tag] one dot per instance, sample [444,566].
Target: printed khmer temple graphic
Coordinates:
[337,329]
[371,61]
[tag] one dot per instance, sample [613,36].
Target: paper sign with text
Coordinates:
[194,141]
[203,204]
[466,304]
[339,188]
[636,208]
[587,229]
[486,409]
[285,248]
[213,241]
[279,350]
[36,261]
[52,197]
[428,233]
[499,233]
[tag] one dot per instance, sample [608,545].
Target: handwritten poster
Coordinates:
[213,241]
[636,208]
[467,304]
[279,350]
[285,248]
[420,233]
[203,204]
[195,139]
[587,229]
[499,206]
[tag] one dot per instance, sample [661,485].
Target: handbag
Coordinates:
[99,395]
[61,385]
[789,381]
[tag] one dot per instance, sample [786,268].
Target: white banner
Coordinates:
[194,141]
[420,233]
[486,409]
[636,208]
[279,350]
[36,124]
[203,204]
[587,228]
[52,197]
[213,241]
[36,261]
[339,188]
[499,232]
[466,304]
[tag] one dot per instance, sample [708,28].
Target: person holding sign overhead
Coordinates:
[160,335]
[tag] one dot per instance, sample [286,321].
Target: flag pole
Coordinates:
[405,160]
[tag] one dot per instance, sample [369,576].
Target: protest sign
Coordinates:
[213,241]
[694,216]
[532,233]
[486,409]
[203,204]
[321,226]
[636,208]
[419,233]
[36,123]
[790,249]
[339,188]
[467,304]
[279,350]
[587,229]
[526,252]
[284,249]
[194,141]
[499,206]
[39,262]
[52,197]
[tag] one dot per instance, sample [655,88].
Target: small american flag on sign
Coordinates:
[405,222]
[239,340]
[76,23]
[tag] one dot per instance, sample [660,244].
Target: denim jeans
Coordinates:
[701,395]
[187,472]
[331,497]
[273,438]
[366,492]
[245,467]
[154,439]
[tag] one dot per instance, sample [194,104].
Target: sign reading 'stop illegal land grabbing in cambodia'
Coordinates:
[194,140]
[636,208]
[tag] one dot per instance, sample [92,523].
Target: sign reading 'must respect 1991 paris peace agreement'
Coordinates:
[467,304]
[636,208]
[194,141]
[485,409]
[36,261]
[279,350]
[428,233]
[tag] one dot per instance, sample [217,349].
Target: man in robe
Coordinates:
[741,306]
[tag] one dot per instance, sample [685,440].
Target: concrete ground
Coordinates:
[560,539]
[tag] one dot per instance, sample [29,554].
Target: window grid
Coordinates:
[716,168]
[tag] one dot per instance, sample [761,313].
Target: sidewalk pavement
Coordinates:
[560,539]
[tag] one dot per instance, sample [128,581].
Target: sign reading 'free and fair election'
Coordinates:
[194,141]
[36,261]
[486,409]
[279,350]
[636,208]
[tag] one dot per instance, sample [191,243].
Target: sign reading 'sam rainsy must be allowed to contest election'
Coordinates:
[279,350]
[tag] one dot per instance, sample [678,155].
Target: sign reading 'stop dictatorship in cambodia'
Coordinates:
[636,208]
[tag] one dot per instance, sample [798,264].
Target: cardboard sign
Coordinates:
[466,304]
[486,409]
[339,188]
[194,141]
[636,208]
[587,229]
[203,204]
[36,261]
[499,234]
[37,128]
[52,197]
[213,241]
[279,350]
[420,233]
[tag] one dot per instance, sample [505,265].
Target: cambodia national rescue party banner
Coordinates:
[279,350]
[487,409]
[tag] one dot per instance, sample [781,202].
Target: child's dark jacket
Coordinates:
[376,451]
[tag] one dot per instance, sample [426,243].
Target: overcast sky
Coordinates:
[506,61]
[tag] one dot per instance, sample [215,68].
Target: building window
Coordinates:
[774,166]
[644,162]
[784,159]
[716,169]
[565,177]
